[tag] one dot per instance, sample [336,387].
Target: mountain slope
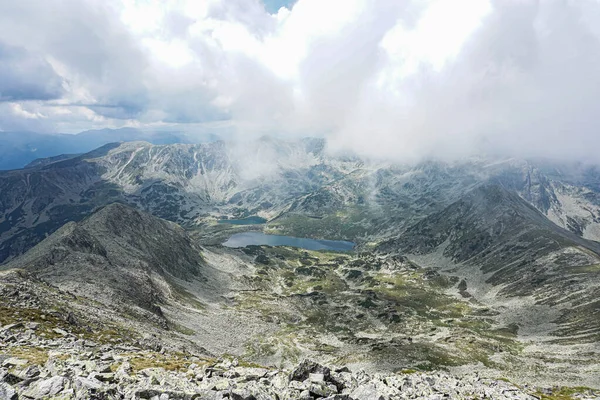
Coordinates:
[118,256]
[505,249]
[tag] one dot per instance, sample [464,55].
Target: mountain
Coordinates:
[20,149]
[497,242]
[118,256]
[483,264]
[297,185]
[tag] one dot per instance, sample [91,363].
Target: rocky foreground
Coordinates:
[67,367]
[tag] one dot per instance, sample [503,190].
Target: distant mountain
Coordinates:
[296,185]
[18,149]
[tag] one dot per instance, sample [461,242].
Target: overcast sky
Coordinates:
[385,77]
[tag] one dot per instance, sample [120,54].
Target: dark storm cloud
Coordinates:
[25,76]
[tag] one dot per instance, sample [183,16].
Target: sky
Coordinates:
[387,78]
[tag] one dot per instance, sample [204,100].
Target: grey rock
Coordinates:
[14,362]
[368,392]
[12,326]
[87,383]
[46,388]
[307,367]
[7,392]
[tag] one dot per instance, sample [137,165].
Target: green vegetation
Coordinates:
[348,224]
[381,308]
[564,393]
[254,220]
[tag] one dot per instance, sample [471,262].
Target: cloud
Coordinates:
[25,76]
[401,80]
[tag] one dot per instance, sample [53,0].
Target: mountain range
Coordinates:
[484,264]
[19,149]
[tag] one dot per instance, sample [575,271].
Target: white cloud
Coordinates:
[396,79]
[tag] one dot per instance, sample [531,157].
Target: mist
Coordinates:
[403,81]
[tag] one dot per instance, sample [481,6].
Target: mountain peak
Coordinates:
[128,253]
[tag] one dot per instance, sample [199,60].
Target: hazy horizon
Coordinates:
[397,80]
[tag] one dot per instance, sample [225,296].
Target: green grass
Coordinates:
[564,393]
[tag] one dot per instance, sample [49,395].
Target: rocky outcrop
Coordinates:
[82,369]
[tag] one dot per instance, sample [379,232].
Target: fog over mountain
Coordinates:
[402,80]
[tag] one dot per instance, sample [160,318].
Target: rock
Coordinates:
[105,377]
[7,392]
[251,374]
[14,362]
[299,385]
[322,390]
[305,395]
[342,380]
[11,379]
[46,388]
[302,372]
[367,392]
[222,384]
[241,394]
[60,331]
[87,383]
[30,372]
[12,326]
[32,325]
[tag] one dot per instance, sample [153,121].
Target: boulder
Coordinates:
[7,392]
[47,387]
[307,367]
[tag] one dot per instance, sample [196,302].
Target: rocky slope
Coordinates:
[57,345]
[118,256]
[47,353]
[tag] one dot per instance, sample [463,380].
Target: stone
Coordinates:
[87,383]
[14,362]
[322,390]
[11,378]
[46,388]
[7,392]
[32,325]
[302,372]
[242,394]
[30,372]
[251,373]
[12,326]
[60,331]
[367,392]
[222,384]
[105,377]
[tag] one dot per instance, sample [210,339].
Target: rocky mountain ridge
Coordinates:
[298,186]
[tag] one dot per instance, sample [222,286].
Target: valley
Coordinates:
[278,251]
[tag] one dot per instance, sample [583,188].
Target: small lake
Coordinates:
[244,221]
[258,238]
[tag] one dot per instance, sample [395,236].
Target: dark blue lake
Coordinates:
[258,238]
